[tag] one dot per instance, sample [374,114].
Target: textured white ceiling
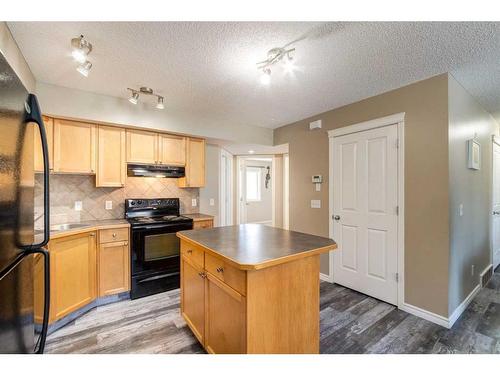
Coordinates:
[209,68]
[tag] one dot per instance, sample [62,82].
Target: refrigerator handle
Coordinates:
[32,114]
[46,299]
[46,289]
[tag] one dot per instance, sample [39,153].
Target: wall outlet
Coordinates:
[108,205]
[212,202]
[472,270]
[193,202]
[78,205]
[315,203]
[461,210]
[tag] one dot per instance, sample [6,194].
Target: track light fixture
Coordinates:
[80,52]
[134,98]
[274,56]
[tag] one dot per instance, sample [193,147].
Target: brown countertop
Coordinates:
[86,226]
[199,217]
[256,246]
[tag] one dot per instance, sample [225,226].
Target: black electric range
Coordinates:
[155,248]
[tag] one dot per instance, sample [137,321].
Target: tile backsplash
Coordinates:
[66,189]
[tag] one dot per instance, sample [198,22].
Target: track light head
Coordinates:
[84,68]
[134,98]
[160,104]
[265,78]
[81,49]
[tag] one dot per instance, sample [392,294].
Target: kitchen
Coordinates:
[242,188]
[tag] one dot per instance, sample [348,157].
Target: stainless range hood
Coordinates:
[154,170]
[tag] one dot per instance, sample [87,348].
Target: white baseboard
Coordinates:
[439,319]
[461,308]
[424,314]
[325,277]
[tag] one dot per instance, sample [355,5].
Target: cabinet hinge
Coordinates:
[397,143]
[397,210]
[397,277]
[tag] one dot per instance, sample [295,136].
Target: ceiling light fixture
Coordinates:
[84,68]
[251,151]
[146,91]
[81,50]
[274,56]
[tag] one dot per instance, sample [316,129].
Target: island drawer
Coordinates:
[226,273]
[112,235]
[193,253]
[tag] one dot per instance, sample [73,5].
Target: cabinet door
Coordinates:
[203,224]
[49,129]
[172,149]
[72,273]
[225,319]
[111,164]
[74,147]
[114,268]
[193,297]
[142,147]
[195,164]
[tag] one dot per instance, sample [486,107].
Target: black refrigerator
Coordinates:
[20,118]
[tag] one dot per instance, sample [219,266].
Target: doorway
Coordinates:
[366,204]
[495,221]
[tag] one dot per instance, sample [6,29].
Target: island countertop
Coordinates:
[257,246]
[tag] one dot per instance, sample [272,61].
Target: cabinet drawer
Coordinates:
[111,235]
[193,253]
[226,273]
[203,224]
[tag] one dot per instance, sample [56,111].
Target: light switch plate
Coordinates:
[461,210]
[78,205]
[109,205]
[212,202]
[193,202]
[315,203]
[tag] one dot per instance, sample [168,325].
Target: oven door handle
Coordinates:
[150,227]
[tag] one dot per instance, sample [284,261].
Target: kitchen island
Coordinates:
[252,288]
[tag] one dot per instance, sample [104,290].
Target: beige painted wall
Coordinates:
[470,233]
[211,188]
[426,180]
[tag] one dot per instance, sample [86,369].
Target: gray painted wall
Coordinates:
[470,233]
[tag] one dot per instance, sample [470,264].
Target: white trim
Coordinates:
[424,314]
[481,275]
[367,125]
[230,193]
[461,308]
[326,277]
[398,119]
[265,222]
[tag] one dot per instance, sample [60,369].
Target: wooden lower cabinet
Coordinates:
[193,297]
[114,268]
[225,318]
[202,224]
[72,273]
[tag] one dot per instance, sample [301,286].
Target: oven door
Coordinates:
[156,248]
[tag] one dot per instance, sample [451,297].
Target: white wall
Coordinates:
[211,188]
[78,104]
[11,52]
[261,211]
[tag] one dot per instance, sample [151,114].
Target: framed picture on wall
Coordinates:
[473,154]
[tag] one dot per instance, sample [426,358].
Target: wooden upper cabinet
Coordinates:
[172,149]
[195,164]
[142,147]
[49,129]
[111,164]
[74,147]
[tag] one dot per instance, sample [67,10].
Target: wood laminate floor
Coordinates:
[351,322]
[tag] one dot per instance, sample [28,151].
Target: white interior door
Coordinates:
[496,206]
[365,183]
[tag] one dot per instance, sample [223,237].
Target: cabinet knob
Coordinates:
[125,243]
[202,274]
[220,269]
[92,234]
[114,235]
[190,251]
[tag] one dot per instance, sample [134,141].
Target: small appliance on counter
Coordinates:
[155,248]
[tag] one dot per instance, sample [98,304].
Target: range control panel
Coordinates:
[151,203]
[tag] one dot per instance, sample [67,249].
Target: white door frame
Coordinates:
[494,139]
[398,119]
[228,191]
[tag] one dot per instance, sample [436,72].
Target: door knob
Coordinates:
[336,217]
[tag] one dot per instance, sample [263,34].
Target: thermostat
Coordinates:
[317,180]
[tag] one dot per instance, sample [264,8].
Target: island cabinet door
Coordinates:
[193,297]
[225,318]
